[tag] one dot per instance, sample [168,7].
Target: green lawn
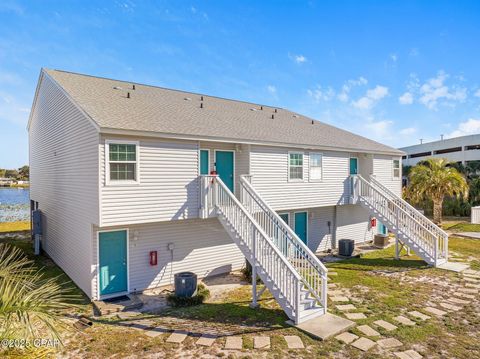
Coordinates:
[461,227]
[384,287]
[6,227]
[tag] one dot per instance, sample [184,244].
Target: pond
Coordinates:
[14,204]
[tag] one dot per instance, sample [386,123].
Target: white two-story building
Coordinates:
[137,183]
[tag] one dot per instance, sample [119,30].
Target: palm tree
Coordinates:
[434,179]
[30,304]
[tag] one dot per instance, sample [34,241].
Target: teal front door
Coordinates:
[353,166]
[224,167]
[382,229]
[301,225]
[112,253]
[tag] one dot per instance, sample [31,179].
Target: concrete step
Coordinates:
[324,326]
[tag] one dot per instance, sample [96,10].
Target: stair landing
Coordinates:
[325,326]
[454,266]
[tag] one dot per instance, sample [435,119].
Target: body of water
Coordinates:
[14,204]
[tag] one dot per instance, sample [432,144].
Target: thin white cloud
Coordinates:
[12,110]
[347,87]
[406,99]
[319,94]
[272,89]
[394,57]
[469,127]
[371,97]
[408,131]
[380,129]
[298,59]
[435,91]
[477,93]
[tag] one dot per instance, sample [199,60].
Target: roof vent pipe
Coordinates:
[201,104]
[312,122]
[261,107]
[128,94]
[133,87]
[201,98]
[441,137]
[275,110]
[421,140]
[273,116]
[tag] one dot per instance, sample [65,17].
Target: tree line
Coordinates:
[19,174]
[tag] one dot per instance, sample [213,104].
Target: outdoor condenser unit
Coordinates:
[37,230]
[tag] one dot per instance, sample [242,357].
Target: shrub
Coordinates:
[202,294]
[247,272]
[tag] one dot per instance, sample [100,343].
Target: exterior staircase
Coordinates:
[290,271]
[410,226]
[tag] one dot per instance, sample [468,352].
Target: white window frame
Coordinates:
[108,181]
[310,167]
[399,169]
[303,166]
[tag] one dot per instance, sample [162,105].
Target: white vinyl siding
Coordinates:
[315,166]
[64,180]
[200,246]
[269,167]
[383,170]
[168,189]
[241,158]
[320,235]
[353,222]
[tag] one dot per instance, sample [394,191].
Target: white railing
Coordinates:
[417,215]
[403,220]
[313,272]
[260,249]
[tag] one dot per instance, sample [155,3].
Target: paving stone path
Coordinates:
[461,296]
[385,325]
[294,342]
[261,342]
[408,354]
[405,321]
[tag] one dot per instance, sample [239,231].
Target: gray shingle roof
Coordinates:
[167,111]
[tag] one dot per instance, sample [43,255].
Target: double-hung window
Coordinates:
[396,168]
[315,166]
[122,165]
[295,166]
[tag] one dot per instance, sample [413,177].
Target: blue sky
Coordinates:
[392,71]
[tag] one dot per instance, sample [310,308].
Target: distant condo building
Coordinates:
[462,149]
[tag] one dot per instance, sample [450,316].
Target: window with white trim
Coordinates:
[396,168]
[315,166]
[122,162]
[295,166]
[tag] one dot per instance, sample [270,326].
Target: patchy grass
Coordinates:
[379,285]
[49,269]
[466,247]
[461,227]
[6,227]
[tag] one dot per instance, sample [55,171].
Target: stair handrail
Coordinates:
[295,303]
[409,206]
[278,222]
[408,215]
